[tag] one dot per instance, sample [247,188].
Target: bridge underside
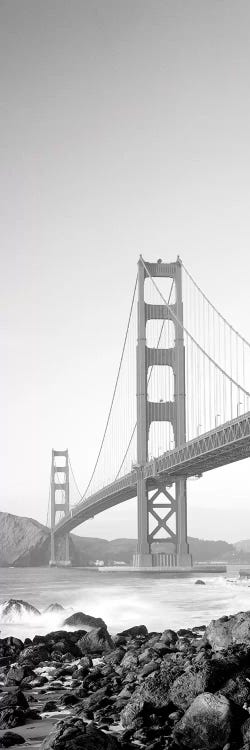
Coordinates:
[224,445]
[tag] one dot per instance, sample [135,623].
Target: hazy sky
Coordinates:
[124,129]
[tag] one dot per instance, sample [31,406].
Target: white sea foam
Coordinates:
[122,601]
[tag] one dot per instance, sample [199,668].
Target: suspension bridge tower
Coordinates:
[173,411]
[59,482]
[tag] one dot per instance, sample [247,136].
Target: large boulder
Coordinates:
[13,609]
[18,673]
[9,739]
[13,709]
[95,700]
[80,620]
[237,689]
[136,630]
[153,692]
[206,675]
[10,648]
[73,734]
[97,641]
[227,631]
[207,724]
[33,655]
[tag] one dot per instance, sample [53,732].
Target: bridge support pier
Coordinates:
[172,411]
[63,506]
[183,557]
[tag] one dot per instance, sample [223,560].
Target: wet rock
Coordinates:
[129,661]
[151,666]
[13,699]
[86,661]
[74,734]
[33,655]
[10,647]
[17,673]
[161,648]
[245,731]
[134,709]
[69,699]
[114,657]
[206,674]
[97,641]
[227,631]
[11,738]
[13,709]
[95,700]
[17,607]
[154,691]
[200,582]
[81,620]
[207,723]
[136,630]
[50,706]
[237,689]
[169,637]
[55,608]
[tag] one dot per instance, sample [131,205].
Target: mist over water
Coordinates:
[121,600]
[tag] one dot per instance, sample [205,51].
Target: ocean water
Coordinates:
[121,600]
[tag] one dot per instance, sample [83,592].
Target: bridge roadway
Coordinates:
[225,444]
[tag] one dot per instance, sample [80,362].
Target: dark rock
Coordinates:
[13,709]
[154,691]
[17,607]
[134,709]
[200,582]
[129,661]
[69,699]
[33,655]
[86,661]
[205,675]
[97,641]
[11,738]
[237,689]
[150,667]
[161,648]
[245,730]
[79,619]
[73,734]
[169,637]
[13,700]
[10,647]
[55,607]
[227,631]
[17,673]
[50,706]
[207,723]
[114,657]
[95,700]
[133,632]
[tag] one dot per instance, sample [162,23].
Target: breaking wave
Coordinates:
[121,601]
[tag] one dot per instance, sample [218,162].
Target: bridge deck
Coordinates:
[225,444]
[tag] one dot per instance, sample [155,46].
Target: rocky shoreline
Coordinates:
[82,688]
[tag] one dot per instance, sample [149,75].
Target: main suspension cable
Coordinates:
[113,396]
[179,323]
[213,306]
[148,381]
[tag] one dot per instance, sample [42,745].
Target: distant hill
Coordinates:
[26,542]
[243,545]
[19,536]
